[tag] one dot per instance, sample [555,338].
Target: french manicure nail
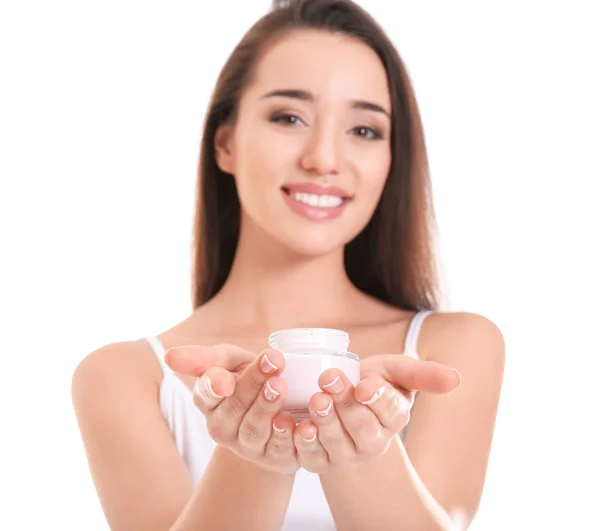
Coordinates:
[270,394]
[458,378]
[336,386]
[279,430]
[267,366]
[326,411]
[375,397]
[204,389]
[311,439]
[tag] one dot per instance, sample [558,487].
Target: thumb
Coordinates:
[194,360]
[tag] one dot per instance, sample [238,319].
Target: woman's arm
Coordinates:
[236,494]
[140,478]
[386,493]
[435,479]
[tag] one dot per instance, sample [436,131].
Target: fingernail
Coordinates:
[203,388]
[375,397]
[336,386]
[279,430]
[266,366]
[326,411]
[270,394]
[458,378]
[311,439]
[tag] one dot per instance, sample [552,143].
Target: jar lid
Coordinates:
[310,340]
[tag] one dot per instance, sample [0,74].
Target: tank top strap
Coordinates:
[412,336]
[160,352]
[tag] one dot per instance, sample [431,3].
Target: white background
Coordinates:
[101,110]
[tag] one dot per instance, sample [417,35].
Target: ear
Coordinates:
[224,148]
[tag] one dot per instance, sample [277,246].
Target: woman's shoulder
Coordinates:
[458,325]
[129,362]
[462,337]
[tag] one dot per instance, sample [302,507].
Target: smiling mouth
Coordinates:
[317,200]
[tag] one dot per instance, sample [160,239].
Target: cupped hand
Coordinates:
[241,396]
[350,425]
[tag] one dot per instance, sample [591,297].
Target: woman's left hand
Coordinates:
[351,425]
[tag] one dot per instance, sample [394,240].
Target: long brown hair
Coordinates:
[393,258]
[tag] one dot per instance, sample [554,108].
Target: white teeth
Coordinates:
[317,200]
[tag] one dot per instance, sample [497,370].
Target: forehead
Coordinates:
[331,66]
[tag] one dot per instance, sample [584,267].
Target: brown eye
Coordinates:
[368,133]
[285,119]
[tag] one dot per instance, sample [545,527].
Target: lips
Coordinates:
[316,189]
[315,202]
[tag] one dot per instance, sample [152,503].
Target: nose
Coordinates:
[322,153]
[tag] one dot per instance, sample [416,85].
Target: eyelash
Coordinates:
[283,118]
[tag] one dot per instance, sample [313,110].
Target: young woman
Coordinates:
[313,210]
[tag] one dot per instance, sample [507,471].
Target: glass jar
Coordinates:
[308,352]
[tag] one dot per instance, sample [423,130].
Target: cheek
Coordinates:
[264,157]
[262,162]
[374,168]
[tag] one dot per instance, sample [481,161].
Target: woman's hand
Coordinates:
[241,396]
[351,425]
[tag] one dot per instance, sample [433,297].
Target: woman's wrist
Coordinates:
[255,466]
[260,497]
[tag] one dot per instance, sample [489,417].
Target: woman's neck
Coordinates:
[272,287]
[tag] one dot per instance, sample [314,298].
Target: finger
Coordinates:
[333,435]
[311,454]
[212,388]
[257,424]
[193,360]
[363,429]
[389,405]
[416,375]
[251,382]
[281,443]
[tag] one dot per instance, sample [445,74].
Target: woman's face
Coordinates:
[317,113]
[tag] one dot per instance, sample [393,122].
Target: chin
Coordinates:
[308,248]
[312,242]
[305,238]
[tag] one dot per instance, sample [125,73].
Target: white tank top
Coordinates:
[308,508]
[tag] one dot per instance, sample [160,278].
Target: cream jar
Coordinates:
[308,352]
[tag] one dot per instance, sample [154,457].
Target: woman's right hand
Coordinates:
[241,396]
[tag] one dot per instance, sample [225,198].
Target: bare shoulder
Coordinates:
[131,361]
[140,478]
[462,337]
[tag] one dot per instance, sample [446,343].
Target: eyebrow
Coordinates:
[304,95]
